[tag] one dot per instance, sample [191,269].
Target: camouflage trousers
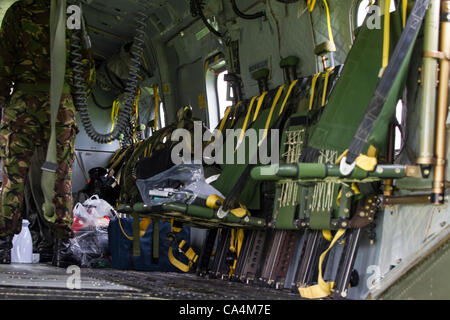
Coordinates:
[25,125]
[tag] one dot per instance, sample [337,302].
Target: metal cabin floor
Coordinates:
[42,281]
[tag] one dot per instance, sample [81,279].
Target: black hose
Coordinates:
[197,10]
[79,90]
[247,16]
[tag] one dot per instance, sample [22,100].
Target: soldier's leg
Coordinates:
[66,130]
[17,146]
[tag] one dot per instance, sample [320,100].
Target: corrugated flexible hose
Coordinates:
[79,86]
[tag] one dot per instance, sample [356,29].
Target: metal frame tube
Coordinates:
[429,87]
[441,130]
[320,171]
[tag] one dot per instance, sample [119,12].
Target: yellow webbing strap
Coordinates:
[143,225]
[225,117]
[291,86]
[404,12]
[269,118]
[211,202]
[247,117]
[157,97]
[240,212]
[325,86]
[114,113]
[366,162]
[313,88]
[190,253]
[327,235]
[330,31]
[177,263]
[147,150]
[116,158]
[237,238]
[386,37]
[272,109]
[236,107]
[173,228]
[258,106]
[322,289]
[115,155]
[311,5]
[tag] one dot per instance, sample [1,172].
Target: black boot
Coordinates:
[62,254]
[5,249]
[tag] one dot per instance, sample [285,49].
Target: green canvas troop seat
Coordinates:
[359,78]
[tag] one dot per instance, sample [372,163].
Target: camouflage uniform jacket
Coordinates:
[25,48]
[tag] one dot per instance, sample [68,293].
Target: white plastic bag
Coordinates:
[99,207]
[91,221]
[92,214]
[82,219]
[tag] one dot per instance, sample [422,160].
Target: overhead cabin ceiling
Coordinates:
[111,23]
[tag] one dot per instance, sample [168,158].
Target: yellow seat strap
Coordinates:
[237,238]
[258,106]
[386,37]
[269,118]
[325,86]
[291,86]
[404,12]
[366,162]
[311,4]
[244,126]
[313,88]
[327,234]
[236,107]
[147,150]
[272,109]
[117,160]
[322,289]
[225,117]
[330,31]
[240,212]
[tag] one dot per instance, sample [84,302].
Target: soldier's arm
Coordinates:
[7,60]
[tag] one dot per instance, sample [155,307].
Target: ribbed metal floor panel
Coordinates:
[40,281]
